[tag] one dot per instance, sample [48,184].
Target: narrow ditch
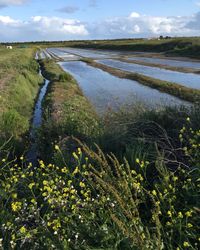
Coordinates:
[32,154]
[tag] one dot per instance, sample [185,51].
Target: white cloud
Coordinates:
[59,26]
[143,26]
[41,28]
[136,28]
[133,25]
[6,20]
[134,15]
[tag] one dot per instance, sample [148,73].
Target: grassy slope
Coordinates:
[68,111]
[19,85]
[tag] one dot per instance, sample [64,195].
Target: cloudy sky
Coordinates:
[31,20]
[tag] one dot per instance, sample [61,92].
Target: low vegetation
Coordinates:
[67,111]
[19,85]
[96,201]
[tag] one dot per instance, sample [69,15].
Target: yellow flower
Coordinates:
[16,206]
[82,184]
[3,160]
[31,185]
[175,178]
[180,215]
[22,158]
[64,170]
[169,213]
[154,192]
[73,191]
[189,225]
[33,201]
[137,160]
[76,170]
[186,244]
[188,119]
[75,156]
[45,182]
[22,230]
[188,213]
[79,151]
[57,147]
[56,224]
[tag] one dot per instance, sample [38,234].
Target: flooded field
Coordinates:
[92,53]
[107,91]
[168,62]
[63,55]
[63,52]
[186,79]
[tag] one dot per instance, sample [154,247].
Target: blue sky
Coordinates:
[23,20]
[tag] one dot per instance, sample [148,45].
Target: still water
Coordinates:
[168,62]
[107,91]
[186,79]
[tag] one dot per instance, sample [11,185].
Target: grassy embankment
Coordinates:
[67,111]
[185,93]
[19,85]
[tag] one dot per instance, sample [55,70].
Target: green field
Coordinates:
[129,179]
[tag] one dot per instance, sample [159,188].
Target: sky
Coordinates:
[39,20]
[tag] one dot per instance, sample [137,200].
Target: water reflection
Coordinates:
[105,90]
